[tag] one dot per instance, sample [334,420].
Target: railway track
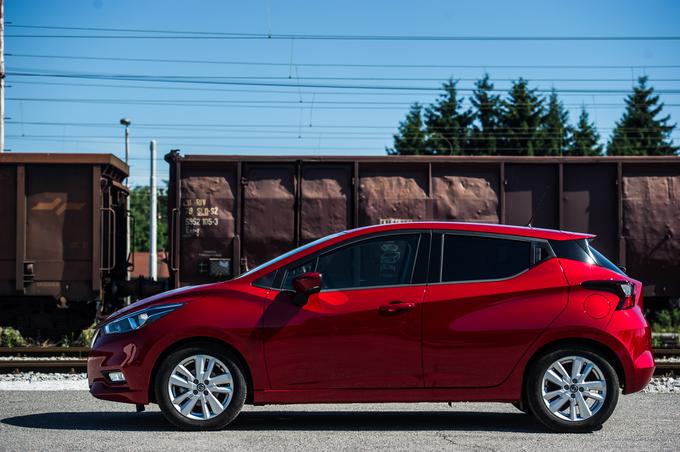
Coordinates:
[74,359]
[45,359]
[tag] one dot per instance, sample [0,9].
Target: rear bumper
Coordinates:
[634,335]
[640,374]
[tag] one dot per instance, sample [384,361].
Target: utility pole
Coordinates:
[126,122]
[153,216]
[2,76]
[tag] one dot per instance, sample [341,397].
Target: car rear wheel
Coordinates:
[200,387]
[572,390]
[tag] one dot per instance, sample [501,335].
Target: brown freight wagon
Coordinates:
[230,213]
[62,240]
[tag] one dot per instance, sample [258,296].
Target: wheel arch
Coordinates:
[598,346]
[201,340]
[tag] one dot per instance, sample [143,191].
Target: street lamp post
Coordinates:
[126,122]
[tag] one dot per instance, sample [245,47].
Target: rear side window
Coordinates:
[472,258]
[382,261]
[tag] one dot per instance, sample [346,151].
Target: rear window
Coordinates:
[471,258]
[581,250]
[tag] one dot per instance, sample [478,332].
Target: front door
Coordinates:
[361,331]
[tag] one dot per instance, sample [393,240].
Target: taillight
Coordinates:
[628,300]
[623,289]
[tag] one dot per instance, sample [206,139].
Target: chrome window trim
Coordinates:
[348,289]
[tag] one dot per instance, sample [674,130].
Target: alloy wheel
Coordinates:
[200,387]
[574,388]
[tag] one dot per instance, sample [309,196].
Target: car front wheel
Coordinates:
[200,387]
[572,390]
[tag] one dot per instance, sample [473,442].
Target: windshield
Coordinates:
[291,252]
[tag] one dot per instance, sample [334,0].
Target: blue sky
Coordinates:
[236,119]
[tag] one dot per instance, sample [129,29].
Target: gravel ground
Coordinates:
[664,385]
[75,421]
[34,381]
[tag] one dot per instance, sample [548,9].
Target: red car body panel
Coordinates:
[465,341]
[341,340]
[468,325]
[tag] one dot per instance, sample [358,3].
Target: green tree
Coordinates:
[487,115]
[411,137]
[640,131]
[139,209]
[555,128]
[584,140]
[448,125]
[521,119]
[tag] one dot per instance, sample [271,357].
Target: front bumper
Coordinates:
[120,354]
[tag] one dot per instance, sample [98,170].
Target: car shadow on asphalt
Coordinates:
[293,421]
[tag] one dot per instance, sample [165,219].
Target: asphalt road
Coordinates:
[73,420]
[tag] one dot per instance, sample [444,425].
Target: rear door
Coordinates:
[490,298]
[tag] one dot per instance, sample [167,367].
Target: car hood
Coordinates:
[183,294]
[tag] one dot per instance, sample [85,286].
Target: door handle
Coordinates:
[394,307]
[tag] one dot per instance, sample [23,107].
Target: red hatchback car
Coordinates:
[412,312]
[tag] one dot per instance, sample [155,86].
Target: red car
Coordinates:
[412,312]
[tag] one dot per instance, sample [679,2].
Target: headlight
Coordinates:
[138,319]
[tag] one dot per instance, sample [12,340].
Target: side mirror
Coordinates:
[305,285]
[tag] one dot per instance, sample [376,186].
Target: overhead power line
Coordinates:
[121,33]
[225,127]
[348,65]
[295,92]
[247,82]
[416,79]
[293,104]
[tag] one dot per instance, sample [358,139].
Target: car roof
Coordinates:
[490,228]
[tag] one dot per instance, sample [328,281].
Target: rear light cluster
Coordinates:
[628,300]
[623,289]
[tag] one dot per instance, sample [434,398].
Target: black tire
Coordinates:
[534,396]
[239,388]
[523,407]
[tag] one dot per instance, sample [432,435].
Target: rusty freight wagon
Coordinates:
[230,213]
[62,246]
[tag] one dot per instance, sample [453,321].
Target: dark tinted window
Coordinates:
[602,261]
[580,250]
[576,250]
[305,267]
[383,261]
[266,281]
[471,258]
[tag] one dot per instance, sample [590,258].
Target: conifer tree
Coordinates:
[521,118]
[640,131]
[411,138]
[448,124]
[585,140]
[555,128]
[487,118]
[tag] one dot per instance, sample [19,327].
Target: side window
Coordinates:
[382,261]
[542,252]
[266,281]
[305,267]
[472,258]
